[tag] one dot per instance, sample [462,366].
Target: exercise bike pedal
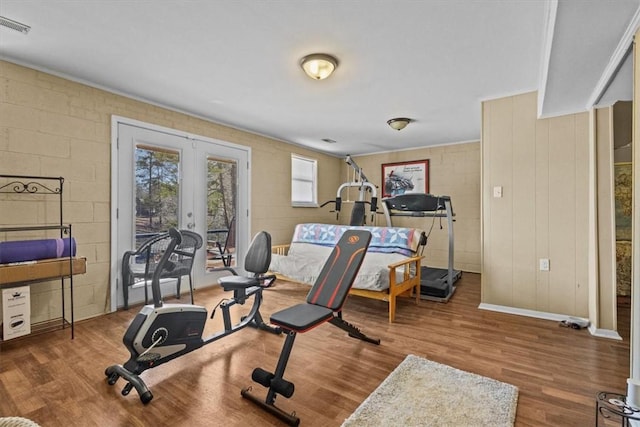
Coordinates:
[262,377]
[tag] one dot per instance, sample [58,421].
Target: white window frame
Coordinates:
[314,182]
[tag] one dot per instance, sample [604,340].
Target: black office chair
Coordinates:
[140,264]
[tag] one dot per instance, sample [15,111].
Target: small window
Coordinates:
[304,182]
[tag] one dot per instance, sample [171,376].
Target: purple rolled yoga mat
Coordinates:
[30,250]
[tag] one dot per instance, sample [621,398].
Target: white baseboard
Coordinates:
[603,333]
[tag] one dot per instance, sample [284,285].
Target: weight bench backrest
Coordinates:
[339,272]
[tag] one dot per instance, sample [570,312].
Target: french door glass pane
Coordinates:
[157,191]
[222,182]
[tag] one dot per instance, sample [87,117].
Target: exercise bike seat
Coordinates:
[257,261]
[230,283]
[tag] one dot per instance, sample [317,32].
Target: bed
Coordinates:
[391,267]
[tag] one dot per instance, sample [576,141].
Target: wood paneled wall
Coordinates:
[542,167]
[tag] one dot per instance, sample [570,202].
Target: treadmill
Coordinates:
[436,284]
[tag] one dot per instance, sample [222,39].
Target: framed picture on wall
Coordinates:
[405,177]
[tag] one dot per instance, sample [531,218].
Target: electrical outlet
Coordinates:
[544,264]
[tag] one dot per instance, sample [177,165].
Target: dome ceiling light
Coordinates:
[319,66]
[399,123]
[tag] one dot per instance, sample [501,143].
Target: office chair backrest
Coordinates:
[258,256]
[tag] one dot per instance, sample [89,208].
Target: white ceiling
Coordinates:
[236,62]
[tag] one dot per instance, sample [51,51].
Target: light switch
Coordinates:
[544,264]
[497,191]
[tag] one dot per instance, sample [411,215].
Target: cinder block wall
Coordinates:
[55,127]
[454,170]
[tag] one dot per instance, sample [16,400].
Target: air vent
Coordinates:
[9,23]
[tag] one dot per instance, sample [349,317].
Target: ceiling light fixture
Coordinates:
[319,66]
[14,25]
[399,123]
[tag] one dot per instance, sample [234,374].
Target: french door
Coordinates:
[164,178]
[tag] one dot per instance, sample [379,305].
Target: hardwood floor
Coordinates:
[57,381]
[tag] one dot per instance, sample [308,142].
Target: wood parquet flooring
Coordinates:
[57,381]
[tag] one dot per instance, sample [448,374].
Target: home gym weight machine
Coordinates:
[360,181]
[436,284]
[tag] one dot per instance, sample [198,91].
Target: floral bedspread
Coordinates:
[400,240]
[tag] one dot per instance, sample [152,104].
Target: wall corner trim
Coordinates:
[604,333]
[618,57]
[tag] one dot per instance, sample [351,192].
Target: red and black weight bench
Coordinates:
[324,304]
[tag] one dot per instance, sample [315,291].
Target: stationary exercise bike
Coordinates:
[162,332]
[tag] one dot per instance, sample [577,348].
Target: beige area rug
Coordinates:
[17,422]
[420,392]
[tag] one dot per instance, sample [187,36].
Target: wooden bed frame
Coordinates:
[409,286]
